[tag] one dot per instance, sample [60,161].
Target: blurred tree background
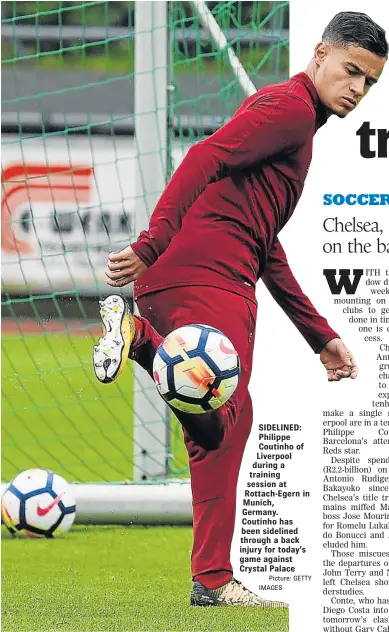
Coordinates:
[115,53]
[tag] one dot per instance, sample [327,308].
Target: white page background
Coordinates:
[288,383]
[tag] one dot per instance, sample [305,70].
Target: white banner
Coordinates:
[66,203]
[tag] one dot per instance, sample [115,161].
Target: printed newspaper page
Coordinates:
[313,522]
[139,215]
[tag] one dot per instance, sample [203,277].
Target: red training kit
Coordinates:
[214,470]
[216,225]
[236,191]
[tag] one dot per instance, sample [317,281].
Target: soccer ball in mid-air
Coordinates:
[196,368]
[38,503]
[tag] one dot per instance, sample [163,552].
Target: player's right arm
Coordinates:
[255,134]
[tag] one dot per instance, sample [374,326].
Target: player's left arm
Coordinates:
[281,283]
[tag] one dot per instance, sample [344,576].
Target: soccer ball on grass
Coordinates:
[39,504]
[196,368]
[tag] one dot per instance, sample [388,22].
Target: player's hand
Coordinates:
[338,361]
[124,267]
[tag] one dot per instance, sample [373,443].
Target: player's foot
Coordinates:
[111,353]
[231,594]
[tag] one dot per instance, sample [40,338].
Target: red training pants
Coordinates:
[215,440]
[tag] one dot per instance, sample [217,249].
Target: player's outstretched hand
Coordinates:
[124,267]
[338,361]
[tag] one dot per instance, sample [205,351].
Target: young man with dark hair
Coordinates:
[216,227]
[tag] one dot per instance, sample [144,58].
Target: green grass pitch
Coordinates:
[56,414]
[123,579]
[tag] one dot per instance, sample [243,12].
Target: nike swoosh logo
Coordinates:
[43,511]
[225,349]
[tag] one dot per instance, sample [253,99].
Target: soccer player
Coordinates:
[216,226]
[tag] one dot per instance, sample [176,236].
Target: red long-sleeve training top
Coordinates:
[217,221]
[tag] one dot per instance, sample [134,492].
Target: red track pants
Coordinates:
[215,441]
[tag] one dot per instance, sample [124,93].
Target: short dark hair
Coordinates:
[351,28]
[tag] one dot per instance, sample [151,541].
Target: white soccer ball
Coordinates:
[196,368]
[39,504]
